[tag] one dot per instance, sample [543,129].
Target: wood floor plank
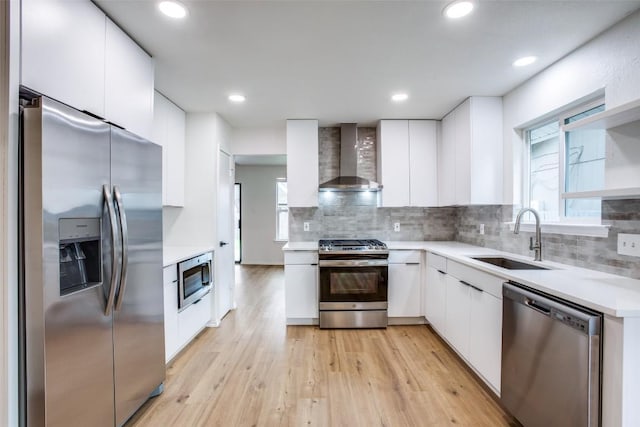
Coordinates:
[255,371]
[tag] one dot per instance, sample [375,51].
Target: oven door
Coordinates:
[354,282]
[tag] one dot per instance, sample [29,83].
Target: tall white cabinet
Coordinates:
[302,163]
[169,132]
[408,162]
[470,153]
[73,53]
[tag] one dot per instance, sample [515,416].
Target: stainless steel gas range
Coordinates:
[353,283]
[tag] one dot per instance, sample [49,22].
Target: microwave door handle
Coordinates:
[125,246]
[206,276]
[114,239]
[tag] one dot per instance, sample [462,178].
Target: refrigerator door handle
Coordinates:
[125,246]
[114,238]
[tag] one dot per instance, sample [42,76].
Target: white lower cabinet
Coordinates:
[301,291]
[193,319]
[435,298]
[301,287]
[180,328]
[458,307]
[404,290]
[485,335]
[404,286]
[464,305]
[171,340]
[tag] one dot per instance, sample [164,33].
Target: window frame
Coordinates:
[281,207]
[562,146]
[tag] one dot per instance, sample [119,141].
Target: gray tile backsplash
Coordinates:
[347,215]
[598,253]
[366,221]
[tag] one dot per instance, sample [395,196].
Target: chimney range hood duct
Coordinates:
[348,181]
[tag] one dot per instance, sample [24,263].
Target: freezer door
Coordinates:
[66,339]
[138,334]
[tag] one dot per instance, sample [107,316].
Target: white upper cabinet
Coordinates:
[128,83]
[470,153]
[302,163]
[169,132]
[63,52]
[73,53]
[407,162]
[447,161]
[393,162]
[423,163]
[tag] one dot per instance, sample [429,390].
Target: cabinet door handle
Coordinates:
[471,286]
[441,272]
[413,263]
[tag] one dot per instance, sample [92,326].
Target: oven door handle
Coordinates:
[354,263]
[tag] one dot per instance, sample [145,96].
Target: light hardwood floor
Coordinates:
[255,371]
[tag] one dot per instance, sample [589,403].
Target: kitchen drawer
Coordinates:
[301,257]
[170,274]
[193,319]
[436,261]
[485,281]
[405,257]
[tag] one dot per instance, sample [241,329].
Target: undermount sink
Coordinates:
[508,263]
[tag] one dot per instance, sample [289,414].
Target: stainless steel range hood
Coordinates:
[348,181]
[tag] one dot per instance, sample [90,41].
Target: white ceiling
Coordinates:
[339,61]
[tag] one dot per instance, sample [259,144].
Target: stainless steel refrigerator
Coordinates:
[92,334]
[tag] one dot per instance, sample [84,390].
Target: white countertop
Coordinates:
[175,254]
[616,296]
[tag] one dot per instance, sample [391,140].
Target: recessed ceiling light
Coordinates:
[173,9]
[458,9]
[237,98]
[398,97]
[524,61]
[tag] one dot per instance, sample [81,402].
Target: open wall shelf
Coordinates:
[608,119]
[618,193]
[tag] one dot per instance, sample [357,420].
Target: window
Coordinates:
[282,210]
[565,162]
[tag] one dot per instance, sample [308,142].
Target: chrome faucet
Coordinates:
[537,246]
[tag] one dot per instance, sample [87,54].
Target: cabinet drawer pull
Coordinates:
[413,263]
[441,272]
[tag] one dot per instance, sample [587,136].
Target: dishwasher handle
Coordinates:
[537,306]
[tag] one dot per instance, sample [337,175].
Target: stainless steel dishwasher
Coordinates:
[551,359]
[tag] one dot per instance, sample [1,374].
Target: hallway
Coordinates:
[255,371]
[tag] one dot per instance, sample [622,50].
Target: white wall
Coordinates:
[609,63]
[195,223]
[9,80]
[259,214]
[253,141]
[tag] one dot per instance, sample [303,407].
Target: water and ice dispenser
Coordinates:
[80,255]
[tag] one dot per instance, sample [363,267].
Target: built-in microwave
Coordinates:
[195,280]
